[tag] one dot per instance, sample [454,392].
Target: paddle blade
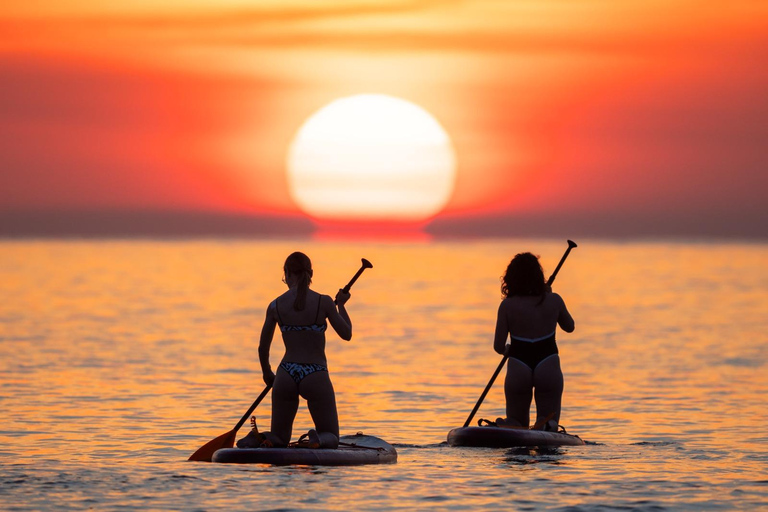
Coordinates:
[205,452]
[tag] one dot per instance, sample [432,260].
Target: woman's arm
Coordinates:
[339,319]
[265,341]
[502,330]
[564,318]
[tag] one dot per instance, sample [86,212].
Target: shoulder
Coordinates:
[272,311]
[275,306]
[555,299]
[281,301]
[327,305]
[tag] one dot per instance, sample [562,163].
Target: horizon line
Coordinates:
[109,223]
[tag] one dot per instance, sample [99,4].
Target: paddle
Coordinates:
[571,245]
[205,452]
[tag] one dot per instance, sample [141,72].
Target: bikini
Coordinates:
[298,371]
[533,351]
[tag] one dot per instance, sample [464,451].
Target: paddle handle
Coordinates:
[366,264]
[252,408]
[571,245]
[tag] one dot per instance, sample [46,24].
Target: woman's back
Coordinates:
[303,330]
[530,317]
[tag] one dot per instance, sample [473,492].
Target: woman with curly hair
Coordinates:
[529,315]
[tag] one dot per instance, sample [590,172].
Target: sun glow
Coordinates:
[371,157]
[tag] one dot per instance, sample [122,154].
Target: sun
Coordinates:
[371,157]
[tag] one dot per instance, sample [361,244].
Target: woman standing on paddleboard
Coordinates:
[301,315]
[529,315]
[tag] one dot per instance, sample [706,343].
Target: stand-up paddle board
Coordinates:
[498,437]
[353,450]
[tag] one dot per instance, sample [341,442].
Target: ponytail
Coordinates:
[301,291]
[299,265]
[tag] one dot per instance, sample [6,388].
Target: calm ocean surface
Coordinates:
[118,359]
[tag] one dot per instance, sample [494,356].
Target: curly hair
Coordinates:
[524,276]
[299,265]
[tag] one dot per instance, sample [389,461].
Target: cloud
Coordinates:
[591,26]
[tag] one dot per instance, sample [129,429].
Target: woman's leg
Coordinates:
[317,389]
[518,389]
[285,403]
[548,385]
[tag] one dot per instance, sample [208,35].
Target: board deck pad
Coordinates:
[353,450]
[497,437]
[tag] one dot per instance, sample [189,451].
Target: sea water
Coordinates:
[119,358]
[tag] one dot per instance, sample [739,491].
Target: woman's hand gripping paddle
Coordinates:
[205,452]
[571,245]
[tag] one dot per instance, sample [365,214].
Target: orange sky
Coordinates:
[590,108]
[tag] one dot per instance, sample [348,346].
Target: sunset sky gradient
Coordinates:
[581,116]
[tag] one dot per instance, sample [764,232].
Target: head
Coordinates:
[524,276]
[297,271]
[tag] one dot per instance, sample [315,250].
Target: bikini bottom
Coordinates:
[298,371]
[532,353]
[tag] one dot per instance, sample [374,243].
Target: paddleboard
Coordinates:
[353,450]
[496,437]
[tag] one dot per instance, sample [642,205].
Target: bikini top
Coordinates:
[315,327]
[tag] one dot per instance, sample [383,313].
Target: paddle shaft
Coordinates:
[551,280]
[485,391]
[252,407]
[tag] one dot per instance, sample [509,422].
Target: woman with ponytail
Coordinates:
[301,315]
